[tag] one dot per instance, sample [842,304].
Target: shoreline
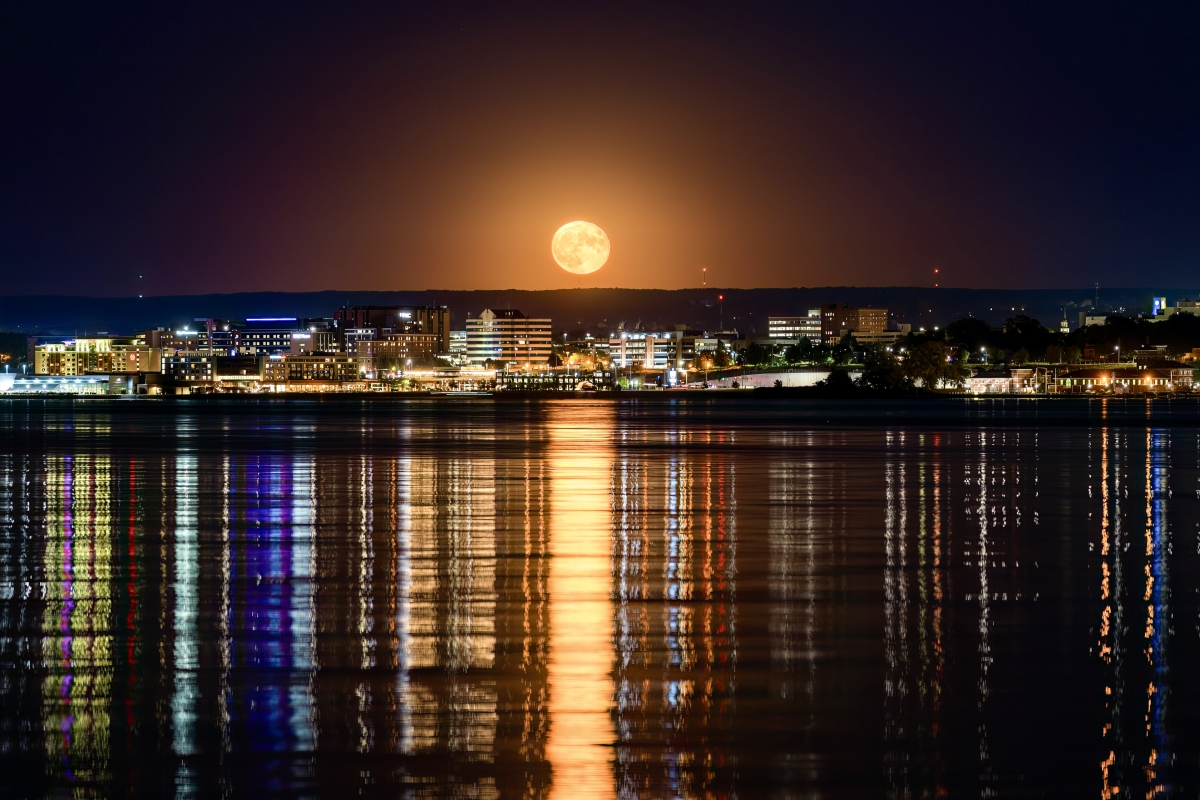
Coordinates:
[668,396]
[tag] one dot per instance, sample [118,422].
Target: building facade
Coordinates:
[838,319]
[507,336]
[795,328]
[188,369]
[1122,380]
[1001,381]
[265,336]
[429,320]
[879,338]
[561,380]
[95,355]
[458,347]
[335,368]
[653,351]
[395,349]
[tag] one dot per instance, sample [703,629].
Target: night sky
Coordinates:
[292,146]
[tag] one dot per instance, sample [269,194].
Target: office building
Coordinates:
[508,337]
[795,328]
[652,350]
[264,336]
[838,319]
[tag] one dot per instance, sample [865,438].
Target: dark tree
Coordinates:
[844,350]
[1026,333]
[756,354]
[882,372]
[929,365]
[971,333]
[721,356]
[838,382]
[803,351]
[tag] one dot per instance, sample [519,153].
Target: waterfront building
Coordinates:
[12,383]
[336,368]
[192,368]
[838,319]
[509,337]
[430,320]
[95,355]
[397,349]
[1122,380]
[189,369]
[554,380]
[652,350]
[795,328]
[238,369]
[1001,381]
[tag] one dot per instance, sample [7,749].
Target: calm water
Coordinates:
[598,599]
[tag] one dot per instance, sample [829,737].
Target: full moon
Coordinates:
[580,247]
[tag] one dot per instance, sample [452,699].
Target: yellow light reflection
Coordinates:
[581,730]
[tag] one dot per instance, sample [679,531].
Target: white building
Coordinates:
[509,337]
[458,347]
[1000,381]
[796,327]
[648,350]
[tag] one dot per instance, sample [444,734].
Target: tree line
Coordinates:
[973,341]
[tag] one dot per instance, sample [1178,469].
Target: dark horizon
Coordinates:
[571,308]
[152,150]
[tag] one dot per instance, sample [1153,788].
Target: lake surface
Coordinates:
[635,598]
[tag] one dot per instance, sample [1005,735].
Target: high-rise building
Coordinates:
[507,336]
[838,319]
